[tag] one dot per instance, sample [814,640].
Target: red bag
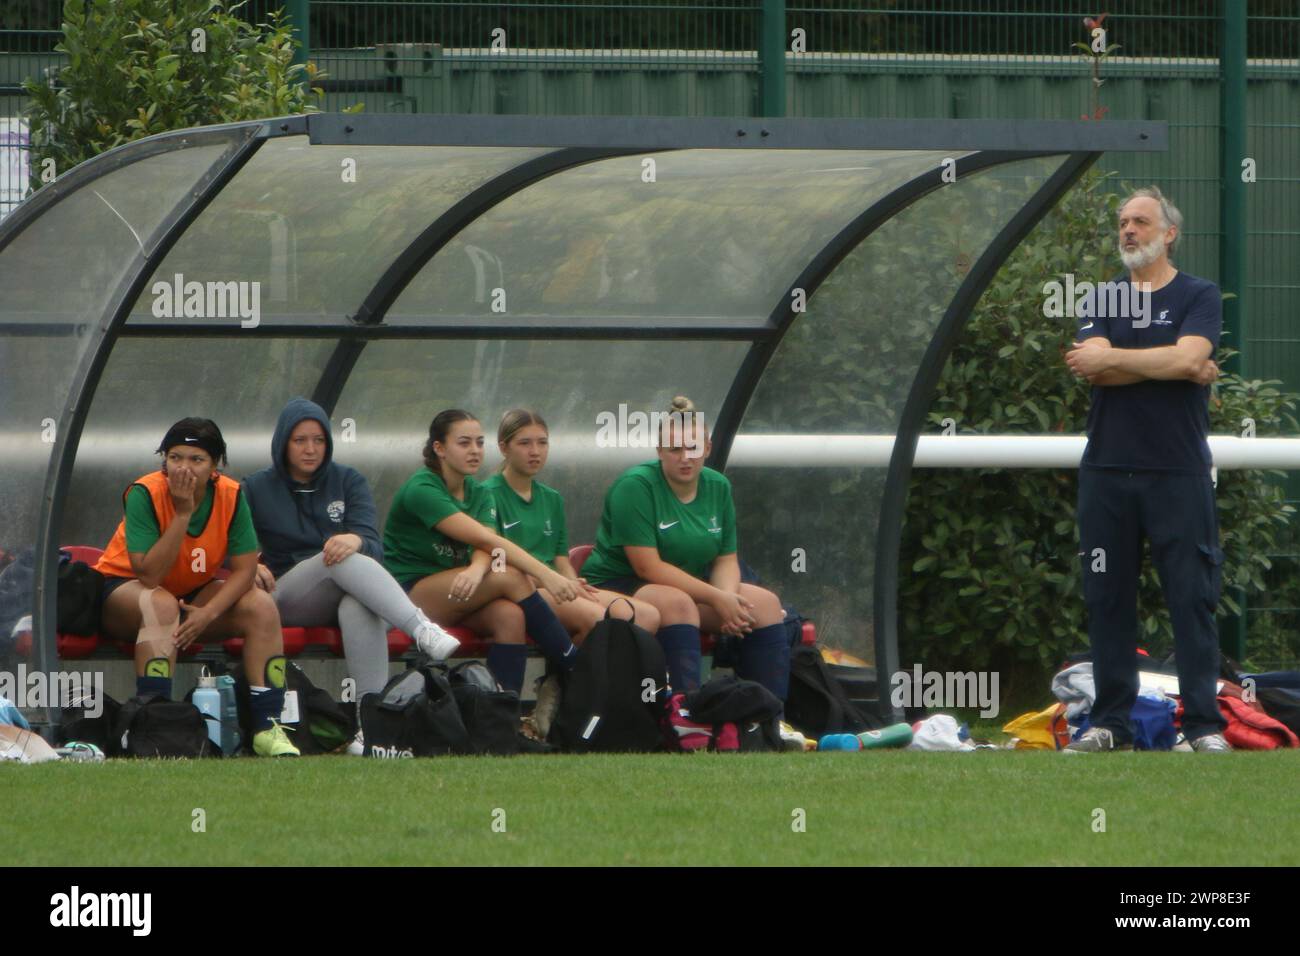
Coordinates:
[687,735]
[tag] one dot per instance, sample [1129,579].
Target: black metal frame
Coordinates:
[648,133]
[579,140]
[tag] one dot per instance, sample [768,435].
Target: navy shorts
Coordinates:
[627,585]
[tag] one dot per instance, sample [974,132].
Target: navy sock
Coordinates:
[266,704]
[507,663]
[155,686]
[765,658]
[546,630]
[681,644]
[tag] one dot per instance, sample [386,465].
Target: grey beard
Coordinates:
[1144,256]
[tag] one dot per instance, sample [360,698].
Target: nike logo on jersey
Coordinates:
[511,524]
[665,527]
[1084,328]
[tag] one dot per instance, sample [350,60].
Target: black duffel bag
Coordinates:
[415,715]
[490,714]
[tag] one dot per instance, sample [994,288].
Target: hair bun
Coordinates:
[681,403]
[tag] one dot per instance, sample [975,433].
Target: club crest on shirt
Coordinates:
[547,530]
[1163,318]
[714,527]
[335,510]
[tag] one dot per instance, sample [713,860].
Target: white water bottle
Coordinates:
[208,700]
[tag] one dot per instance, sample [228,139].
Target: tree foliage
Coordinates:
[139,67]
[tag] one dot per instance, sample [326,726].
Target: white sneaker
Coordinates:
[432,641]
[357,747]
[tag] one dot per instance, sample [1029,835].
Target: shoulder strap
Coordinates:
[599,670]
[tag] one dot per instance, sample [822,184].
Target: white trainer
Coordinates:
[432,641]
[357,746]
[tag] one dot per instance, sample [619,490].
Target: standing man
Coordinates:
[1146,472]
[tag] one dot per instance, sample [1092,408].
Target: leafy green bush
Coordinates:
[139,67]
[989,573]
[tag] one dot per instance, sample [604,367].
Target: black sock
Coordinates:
[507,662]
[681,644]
[267,703]
[765,658]
[156,680]
[547,632]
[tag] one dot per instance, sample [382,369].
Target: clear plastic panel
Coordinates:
[57,276]
[847,367]
[715,233]
[576,386]
[315,227]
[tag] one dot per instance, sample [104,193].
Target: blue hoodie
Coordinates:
[294,520]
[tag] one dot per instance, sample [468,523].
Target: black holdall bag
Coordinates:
[323,725]
[152,726]
[490,714]
[415,715]
[614,699]
[816,704]
[753,709]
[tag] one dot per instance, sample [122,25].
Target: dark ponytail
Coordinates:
[438,430]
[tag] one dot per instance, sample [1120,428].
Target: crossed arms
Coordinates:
[1096,360]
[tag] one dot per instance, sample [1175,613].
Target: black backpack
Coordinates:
[323,724]
[490,714]
[152,726]
[615,698]
[816,704]
[80,597]
[415,715]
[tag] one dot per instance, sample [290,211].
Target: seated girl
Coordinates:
[531,514]
[160,586]
[667,536]
[441,545]
[321,549]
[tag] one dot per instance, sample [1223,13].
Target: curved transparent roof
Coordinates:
[717,233]
[797,276]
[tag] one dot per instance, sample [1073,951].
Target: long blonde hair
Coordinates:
[514,420]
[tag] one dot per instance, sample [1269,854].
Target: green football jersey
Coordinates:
[642,510]
[413,547]
[538,525]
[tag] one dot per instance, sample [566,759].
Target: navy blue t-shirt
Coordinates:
[1154,425]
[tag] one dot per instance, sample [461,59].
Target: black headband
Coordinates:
[184,435]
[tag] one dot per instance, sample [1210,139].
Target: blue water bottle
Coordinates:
[229,715]
[839,742]
[208,700]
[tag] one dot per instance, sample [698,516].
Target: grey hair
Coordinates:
[1169,213]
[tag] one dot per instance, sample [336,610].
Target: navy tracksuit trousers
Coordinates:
[1177,514]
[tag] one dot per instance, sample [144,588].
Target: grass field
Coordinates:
[880,808]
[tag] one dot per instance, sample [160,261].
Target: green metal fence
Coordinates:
[1227,80]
